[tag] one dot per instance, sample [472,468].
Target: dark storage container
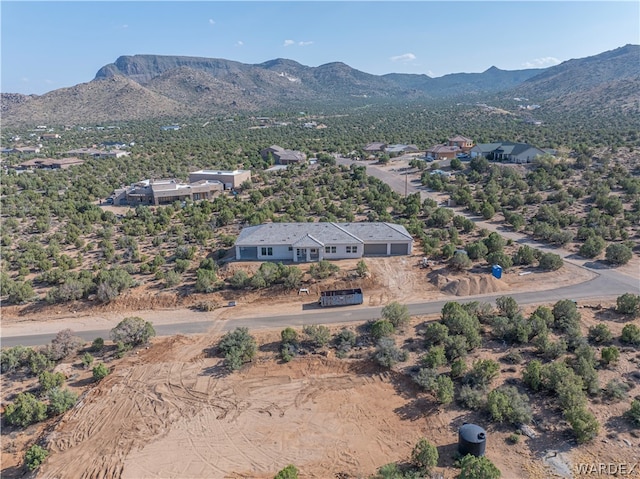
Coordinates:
[472,439]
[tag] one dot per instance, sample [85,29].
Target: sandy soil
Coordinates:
[171,411]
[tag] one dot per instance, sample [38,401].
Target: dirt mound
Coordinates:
[471,285]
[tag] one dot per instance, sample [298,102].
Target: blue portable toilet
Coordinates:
[496,271]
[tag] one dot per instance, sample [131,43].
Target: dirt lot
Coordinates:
[171,411]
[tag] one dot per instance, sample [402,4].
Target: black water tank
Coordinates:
[472,439]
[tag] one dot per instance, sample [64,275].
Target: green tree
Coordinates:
[610,355]
[289,336]
[424,455]
[61,400]
[206,280]
[507,306]
[318,334]
[362,269]
[631,335]
[600,334]
[550,262]
[87,360]
[435,333]
[472,467]
[506,404]
[460,261]
[584,424]
[592,247]
[435,357]
[25,410]
[132,331]
[49,381]
[100,371]
[289,472]
[628,304]
[444,389]
[35,456]
[382,328]
[238,347]
[633,414]
[396,313]
[566,315]
[618,254]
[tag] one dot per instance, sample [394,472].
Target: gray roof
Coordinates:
[315,234]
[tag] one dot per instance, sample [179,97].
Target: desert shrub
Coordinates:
[494,242]
[459,321]
[507,306]
[25,410]
[287,351]
[551,349]
[132,331]
[13,359]
[472,467]
[566,315]
[317,334]
[424,455]
[458,368]
[630,335]
[444,389]
[239,280]
[600,334]
[87,360]
[500,258]
[633,414]
[610,355]
[544,314]
[550,262]
[618,254]
[289,472]
[435,333]
[482,373]
[616,390]
[110,283]
[61,400]
[100,371]
[64,344]
[389,471]
[477,250]
[396,313]
[206,281]
[506,404]
[323,269]
[38,362]
[388,354]
[592,247]
[426,378]
[35,456]
[456,347]
[362,269]
[525,255]
[48,380]
[435,357]
[584,424]
[238,347]
[382,328]
[172,278]
[289,336]
[97,345]
[471,398]
[629,304]
[345,340]
[532,375]
[460,261]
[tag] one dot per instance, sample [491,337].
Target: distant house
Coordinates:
[230,179]
[317,241]
[462,142]
[26,150]
[507,151]
[375,147]
[443,152]
[50,163]
[170,127]
[400,149]
[282,156]
[167,191]
[50,136]
[118,145]
[95,153]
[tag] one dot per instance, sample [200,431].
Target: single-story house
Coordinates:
[163,192]
[375,147]
[170,128]
[50,136]
[230,179]
[99,153]
[399,149]
[443,152]
[507,151]
[317,241]
[26,150]
[282,156]
[51,163]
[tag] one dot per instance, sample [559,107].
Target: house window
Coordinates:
[290,248]
[352,249]
[267,251]
[329,249]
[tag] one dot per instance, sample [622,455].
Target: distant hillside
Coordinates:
[152,86]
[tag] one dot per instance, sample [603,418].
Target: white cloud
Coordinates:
[541,62]
[239,43]
[212,21]
[304,44]
[288,43]
[24,80]
[431,74]
[406,57]
[48,82]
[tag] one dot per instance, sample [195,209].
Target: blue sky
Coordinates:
[49,45]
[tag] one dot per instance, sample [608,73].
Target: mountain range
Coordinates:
[156,86]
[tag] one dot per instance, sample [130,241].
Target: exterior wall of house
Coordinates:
[229,179]
[526,156]
[278,253]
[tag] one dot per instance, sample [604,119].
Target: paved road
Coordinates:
[607,283]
